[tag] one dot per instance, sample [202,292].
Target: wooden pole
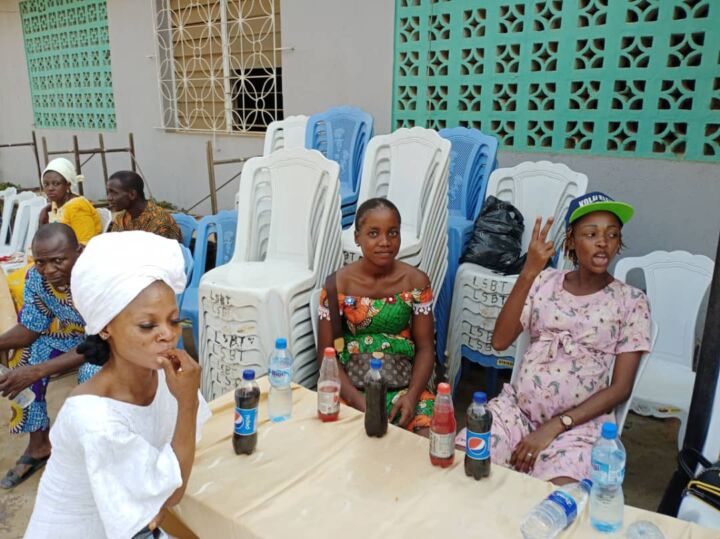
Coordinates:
[37,158]
[78,166]
[103,160]
[131,140]
[211,177]
[45,151]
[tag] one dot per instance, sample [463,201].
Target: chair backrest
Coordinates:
[314,304]
[285,134]
[621,410]
[36,206]
[285,203]
[7,216]
[406,167]
[105,218]
[8,191]
[188,225]
[28,211]
[472,159]
[540,188]
[224,225]
[341,134]
[676,284]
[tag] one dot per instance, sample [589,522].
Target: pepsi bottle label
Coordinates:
[566,502]
[477,445]
[245,421]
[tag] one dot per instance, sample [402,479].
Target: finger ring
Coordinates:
[529,455]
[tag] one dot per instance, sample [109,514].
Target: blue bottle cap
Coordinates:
[587,483]
[248,374]
[479,397]
[609,431]
[376,364]
[280,344]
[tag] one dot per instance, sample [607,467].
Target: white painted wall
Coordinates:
[340,52]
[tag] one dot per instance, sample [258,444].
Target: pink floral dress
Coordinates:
[574,342]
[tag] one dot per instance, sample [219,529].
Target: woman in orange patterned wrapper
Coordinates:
[385,306]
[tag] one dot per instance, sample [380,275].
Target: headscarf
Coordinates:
[115,267]
[67,170]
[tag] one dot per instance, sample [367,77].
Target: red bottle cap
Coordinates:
[443,389]
[329,351]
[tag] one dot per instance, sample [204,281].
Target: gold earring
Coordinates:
[104,335]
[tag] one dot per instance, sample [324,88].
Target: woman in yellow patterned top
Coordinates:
[59,181]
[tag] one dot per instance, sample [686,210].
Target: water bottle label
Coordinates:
[602,473]
[328,402]
[566,502]
[245,421]
[279,377]
[477,445]
[442,446]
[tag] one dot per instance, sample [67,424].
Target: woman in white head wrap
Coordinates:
[60,185]
[124,441]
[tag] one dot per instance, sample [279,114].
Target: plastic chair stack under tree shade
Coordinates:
[188,225]
[621,410]
[288,241]
[676,284]
[472,159]
[342,134]
[285,134]
[410,168]
[536,189]
[223,226]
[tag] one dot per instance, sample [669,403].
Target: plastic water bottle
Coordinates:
[328,405]
[23,399]
[280,377]
[608,463]
[557,511]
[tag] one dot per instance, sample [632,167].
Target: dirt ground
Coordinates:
[651,446]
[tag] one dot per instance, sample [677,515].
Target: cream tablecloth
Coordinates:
[315,480]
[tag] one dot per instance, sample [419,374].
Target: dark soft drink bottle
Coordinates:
[442,429]
[247,397]
[477,443]
[376,417]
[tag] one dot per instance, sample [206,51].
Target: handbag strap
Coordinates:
[689,458]
[335,322]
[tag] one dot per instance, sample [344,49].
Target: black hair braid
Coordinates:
[95,350]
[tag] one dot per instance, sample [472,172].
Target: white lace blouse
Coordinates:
[112,467]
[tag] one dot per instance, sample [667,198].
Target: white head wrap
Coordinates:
[115,267]
[66,169]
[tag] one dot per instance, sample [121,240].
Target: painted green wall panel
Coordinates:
[68,56]
[637,78]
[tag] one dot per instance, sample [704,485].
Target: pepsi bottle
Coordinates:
[477,442]
[376,418]
[247,397]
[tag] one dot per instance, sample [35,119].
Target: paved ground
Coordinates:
[651,446]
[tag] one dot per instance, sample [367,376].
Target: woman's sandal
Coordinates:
[11,479]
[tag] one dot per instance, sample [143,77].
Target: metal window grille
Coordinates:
[219,64]
[68,57]
[637,78]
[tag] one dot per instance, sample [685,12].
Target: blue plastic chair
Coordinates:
[189,263]
[472,159]
[188,225]
[224,226]
[342,134]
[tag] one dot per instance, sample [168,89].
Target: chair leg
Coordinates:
[491,381]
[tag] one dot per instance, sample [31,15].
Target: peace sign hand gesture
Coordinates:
[540,250]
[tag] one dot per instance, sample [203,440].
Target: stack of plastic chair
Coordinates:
[223,226]
[24,228]
[536,189]
[341,134]
[9,204]
[472,159]
[288,240]
[410,168]
[676,285]
[105,218]
[285,134]
[188,225]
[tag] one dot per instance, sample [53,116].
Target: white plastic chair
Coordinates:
[285,134]
[105,218]
[26,223]
[621,410]
[314,304]
[676,285]
[410,168]
[7,215]
[288,239]
[536,189]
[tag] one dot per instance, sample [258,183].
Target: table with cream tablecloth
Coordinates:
[316,480]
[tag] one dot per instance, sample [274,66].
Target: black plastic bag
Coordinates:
[497,238]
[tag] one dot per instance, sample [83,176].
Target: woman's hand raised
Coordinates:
[540,250]
[182,375]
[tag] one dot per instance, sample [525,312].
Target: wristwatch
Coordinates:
[567,421]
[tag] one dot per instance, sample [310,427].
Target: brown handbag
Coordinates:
[397,369]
